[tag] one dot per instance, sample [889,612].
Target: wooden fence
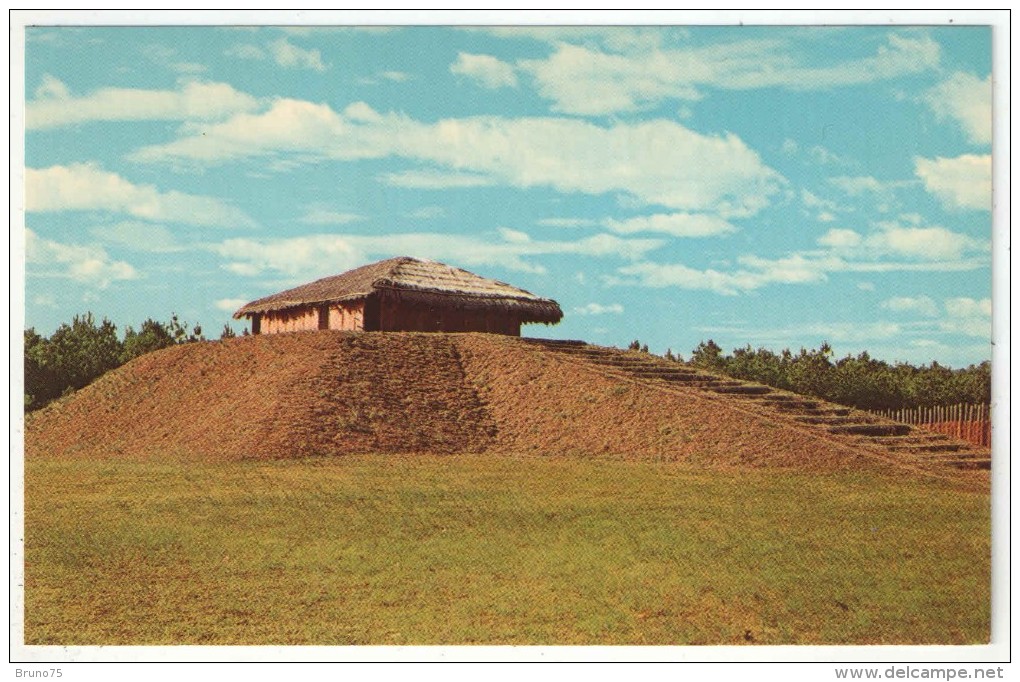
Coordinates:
[967,422]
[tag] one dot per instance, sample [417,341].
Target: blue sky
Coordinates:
[772,186]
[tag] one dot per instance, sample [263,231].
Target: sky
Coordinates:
[772,186]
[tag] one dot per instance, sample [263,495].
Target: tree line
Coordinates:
[78,353]
[862,381]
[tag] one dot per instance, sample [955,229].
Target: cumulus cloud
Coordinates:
[840,239]
[674,224]
[968,316]
[889,247]
[281,51]
[291,56]
[486,70]
[926,243]
[323,254]
[597,81]
[755,273]
[966,100]
[320,215]
[138,236]
[652,162]
[54,106]
[860,185]
[427,213]
[229,304]
[964,182]
[85,264]
[85,187]
[922,305]
[599,309]
[431,179]
[889,238]
[567,222]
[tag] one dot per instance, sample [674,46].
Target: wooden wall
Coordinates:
[296,320]
[397,315]
[387,314]
[347,316]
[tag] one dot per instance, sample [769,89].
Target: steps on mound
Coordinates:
[853,426]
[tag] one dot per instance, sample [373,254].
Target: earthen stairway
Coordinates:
[855,427]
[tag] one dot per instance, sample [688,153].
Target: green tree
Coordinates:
[709,356]
[811,372]
[151,336]
[79,352]
[40,386]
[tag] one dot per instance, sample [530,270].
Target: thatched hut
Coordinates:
[401,294]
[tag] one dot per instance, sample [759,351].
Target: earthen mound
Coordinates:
[332,393]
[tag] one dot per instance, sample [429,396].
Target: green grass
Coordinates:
[497,550]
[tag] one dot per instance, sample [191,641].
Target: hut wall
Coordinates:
[294,320]
[397,315]
[347,316]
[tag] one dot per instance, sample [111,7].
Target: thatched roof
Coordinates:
[425,281]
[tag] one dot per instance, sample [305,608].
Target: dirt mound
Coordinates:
[331,393]
[271,396]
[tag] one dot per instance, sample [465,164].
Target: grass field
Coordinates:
[497,550]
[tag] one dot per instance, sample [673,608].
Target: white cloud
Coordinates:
[319,255]
[674,224]
[86,264]
[85,187]
[396,76]
[585,80]
[229,304]
[45,301]
[812,332]
[54,105]
[857,186]
[283,52]
[429,179]
[138,236]
[917,249]
[964,182]
[925,243]
[188,67]
[567,222]
[514,236]
[822,155]
[291,56]
[972,317]
[52,88]
[427,213]
[246,51]
[794,269]
[319,215]
[654,162]
[291,126]
[840,239]
[967,100]
[599,309]
[812,200]
[823,210]
[487,71]
[893,239]
[922,305]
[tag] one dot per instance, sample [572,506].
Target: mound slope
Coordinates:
[332,393]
